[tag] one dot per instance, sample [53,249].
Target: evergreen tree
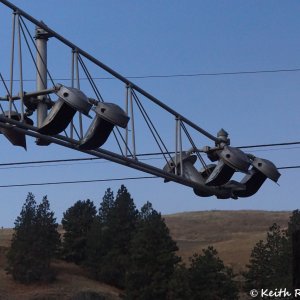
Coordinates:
[110,236]
[95,249]
[270,262]
[209,278]
[98,242]
[152,258]
[34,242]
[294,223]
[77,221]
[116,235]
[293,234]
[106,206]
[179,284]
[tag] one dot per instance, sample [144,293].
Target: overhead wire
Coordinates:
[101,180]
[183,75]
[145,156]
[77,181]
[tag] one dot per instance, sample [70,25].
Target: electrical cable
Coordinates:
[78,181]
[138,155]
[102,180]
[183,75]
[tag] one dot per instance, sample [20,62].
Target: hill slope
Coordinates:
[232,233]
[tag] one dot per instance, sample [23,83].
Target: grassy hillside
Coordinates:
[232,233]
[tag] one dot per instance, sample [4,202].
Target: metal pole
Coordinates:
[176,144]
[126,110]
[78,86]
[180,148]
[21,70]
[72,85]
[41,37]
[132,125]
[12,64]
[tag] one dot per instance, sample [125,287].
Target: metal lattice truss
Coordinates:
[66,120]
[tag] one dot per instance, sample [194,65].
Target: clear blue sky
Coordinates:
[139,38]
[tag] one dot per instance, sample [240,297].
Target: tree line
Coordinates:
[132,249]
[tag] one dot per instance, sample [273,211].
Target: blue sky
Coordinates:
[138,38]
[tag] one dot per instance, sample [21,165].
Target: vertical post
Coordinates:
[12,65]
[72,85]
[126,110]
[21,70]
[180,148]
[41,37]
[132,124]
[176,144]
[78,86]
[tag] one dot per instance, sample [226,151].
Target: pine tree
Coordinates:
[116,235]
[293,234]
[34,242]
[95,249]
[209,278]
[153,258]
[98,242]
[270,262]
[77,221]
[179,284]
[106,206]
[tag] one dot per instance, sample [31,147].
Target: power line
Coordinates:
[180,75]
[289,167]
[9,165]
[103,180]
[78,181]
[269,145]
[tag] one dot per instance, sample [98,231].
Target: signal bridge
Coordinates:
[79,117]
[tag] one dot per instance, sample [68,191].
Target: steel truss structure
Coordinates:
[111,122]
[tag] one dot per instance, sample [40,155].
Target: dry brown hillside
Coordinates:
[232,233]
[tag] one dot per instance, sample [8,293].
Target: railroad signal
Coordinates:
[69,102]
[108,115]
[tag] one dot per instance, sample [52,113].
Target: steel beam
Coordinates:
[105,154]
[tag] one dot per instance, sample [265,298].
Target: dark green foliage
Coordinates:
[293,234]
[77,221]
[106,206]
[135,251]
[152,258]
[270,262]
[34,242]
[206,278]
[109,239]
[95,249]
[209,278]
[294,223]
[117,233]
[179,284]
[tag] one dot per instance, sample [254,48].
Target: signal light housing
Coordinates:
[108,115]
[261,170]
[16,138]
[69,102]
